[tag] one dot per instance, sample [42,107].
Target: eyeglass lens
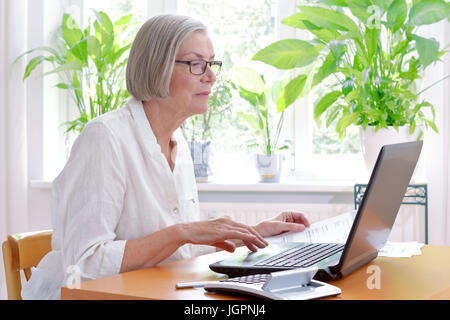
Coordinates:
[199,67]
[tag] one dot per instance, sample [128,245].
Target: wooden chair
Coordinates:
[21,252]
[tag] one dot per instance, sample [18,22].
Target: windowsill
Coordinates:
[283,186]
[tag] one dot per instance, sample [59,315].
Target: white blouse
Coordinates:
[116,186]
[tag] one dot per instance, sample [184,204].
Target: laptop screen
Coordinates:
[382,200]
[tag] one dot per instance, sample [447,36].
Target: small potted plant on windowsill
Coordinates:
[366,56]
[199,130]
[265,121]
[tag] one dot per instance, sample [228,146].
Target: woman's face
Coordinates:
[188,91]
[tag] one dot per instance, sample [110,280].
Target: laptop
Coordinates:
[370,230]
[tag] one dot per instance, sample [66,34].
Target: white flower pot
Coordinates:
[201,157]
[269,167]
[371,141]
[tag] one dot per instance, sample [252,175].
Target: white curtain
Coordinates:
[447,175]
[13,125]
[447,144]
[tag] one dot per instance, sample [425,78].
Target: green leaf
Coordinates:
[291,92]
[330,64]
[288,54]
[325,102]
[277,89]
[325,34]
[79,50]
[93,47]
[250,97]
[297,21]
[104,20]
[329,19]
[383,4]
[428,12]
[69,66]
[250,119]
[396,14]
[123,20]
[428,50]
[32,65]
[48,49]
[359,8]
[371,38]
[348,85]
[65,86]
[71,33]
[332,114]
[249,79]
[117,54]
[346,120]
[432,125]
[339,3]
[337,48]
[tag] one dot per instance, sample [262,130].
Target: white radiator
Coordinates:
[409,225]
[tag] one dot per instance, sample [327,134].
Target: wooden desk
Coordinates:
[420,277]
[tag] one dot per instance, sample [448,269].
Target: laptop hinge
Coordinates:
[358,264]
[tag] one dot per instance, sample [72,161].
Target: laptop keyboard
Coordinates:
[303,255]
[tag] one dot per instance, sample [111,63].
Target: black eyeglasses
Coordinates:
[198,67]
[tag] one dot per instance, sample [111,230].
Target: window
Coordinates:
[238,30]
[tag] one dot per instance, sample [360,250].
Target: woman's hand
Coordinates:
[220,233]
[284,222]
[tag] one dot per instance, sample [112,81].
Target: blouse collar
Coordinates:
[145,128]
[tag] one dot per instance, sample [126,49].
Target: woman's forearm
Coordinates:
[150,250]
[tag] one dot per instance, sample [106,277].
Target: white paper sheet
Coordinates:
[336,230]
[332,230]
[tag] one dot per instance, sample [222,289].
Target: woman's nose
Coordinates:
[209,75]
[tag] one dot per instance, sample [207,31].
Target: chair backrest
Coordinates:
[21,252]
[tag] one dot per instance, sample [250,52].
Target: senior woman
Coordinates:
[127,197]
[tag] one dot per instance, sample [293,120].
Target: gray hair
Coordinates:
[152,55]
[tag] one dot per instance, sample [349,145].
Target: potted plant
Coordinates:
[90,64]
[199,130]
[366,56]
[265,121]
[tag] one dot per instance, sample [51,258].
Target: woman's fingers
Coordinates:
[289,226]
[251,246]
[296,217]
[226,245]
[220,232]
[246,236]
[246,228]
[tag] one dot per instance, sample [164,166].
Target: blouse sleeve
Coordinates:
[87,204]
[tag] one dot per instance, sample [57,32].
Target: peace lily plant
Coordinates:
[90,64]
[265,120]
[364,57]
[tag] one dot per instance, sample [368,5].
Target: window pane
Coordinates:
[326,141]
[117,9]
[238,29]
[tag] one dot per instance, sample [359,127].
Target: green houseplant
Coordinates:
[199,130]
[90,64]
[265,120]
[365,57]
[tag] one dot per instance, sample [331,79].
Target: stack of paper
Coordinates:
[336,230]
[401,249]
